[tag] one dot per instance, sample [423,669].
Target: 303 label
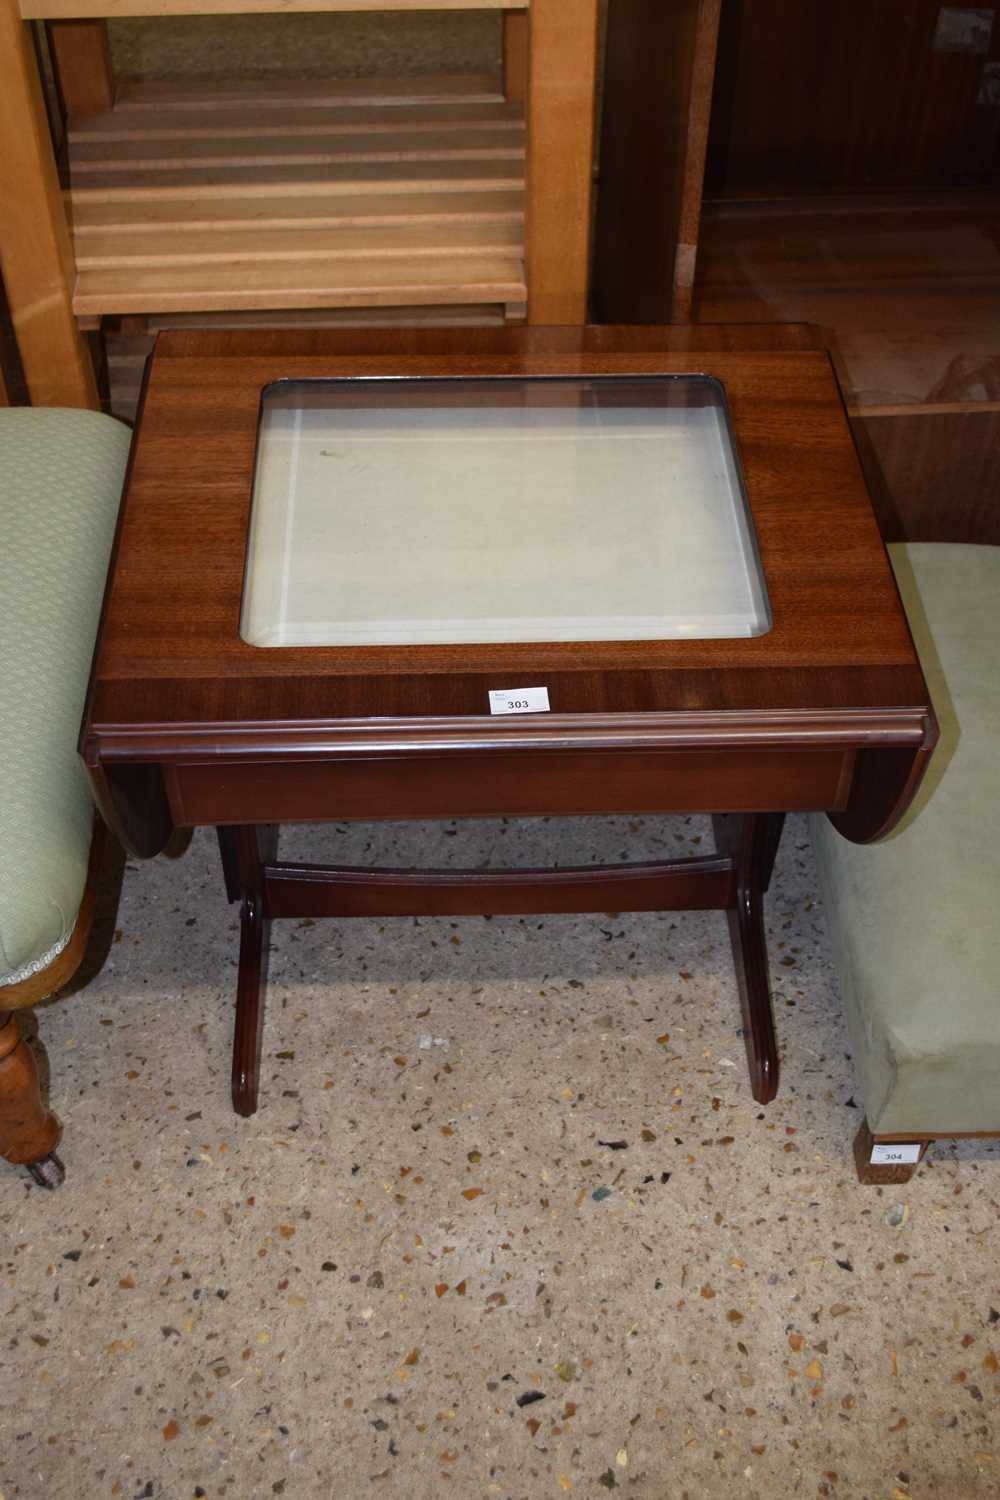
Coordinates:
[533,700]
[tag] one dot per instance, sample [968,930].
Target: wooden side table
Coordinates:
[208,708]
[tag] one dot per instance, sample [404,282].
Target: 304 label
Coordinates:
[895,1156]
[533,700]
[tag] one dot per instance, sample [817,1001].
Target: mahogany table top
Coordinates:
[173,682]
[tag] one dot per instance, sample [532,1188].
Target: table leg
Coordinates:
[734,881]
[753,840]
[245,851]
[28,1131]
[254,933]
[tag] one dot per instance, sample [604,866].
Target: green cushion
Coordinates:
[913,919]
[62,478]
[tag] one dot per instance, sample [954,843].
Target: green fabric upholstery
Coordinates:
[60,482]
[913,919]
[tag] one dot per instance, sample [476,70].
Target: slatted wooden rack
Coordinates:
[257,196]
[440,193]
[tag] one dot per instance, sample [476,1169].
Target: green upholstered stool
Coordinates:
[62,474]
[913,919]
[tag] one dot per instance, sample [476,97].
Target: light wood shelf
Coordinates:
[51,10]
[206,198]
[213,197]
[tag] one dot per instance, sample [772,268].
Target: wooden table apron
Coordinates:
[186,724]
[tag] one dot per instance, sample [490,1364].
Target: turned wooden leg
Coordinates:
[244,853]
[28,1131]
[754,841]
[871,1174]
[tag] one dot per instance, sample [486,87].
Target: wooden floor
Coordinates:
[363,193]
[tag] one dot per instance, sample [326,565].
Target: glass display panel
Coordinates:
[433,511]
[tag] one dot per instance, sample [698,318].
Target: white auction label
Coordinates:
[895,1156]
[519,700]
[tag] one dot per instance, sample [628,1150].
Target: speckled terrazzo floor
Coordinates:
[507,1223]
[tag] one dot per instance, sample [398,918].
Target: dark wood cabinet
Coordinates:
[840,167]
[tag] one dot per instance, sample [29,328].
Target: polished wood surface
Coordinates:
[934,476]
[812,97]
[186,724]
[173,656]
[490,783]
[753,842]
[658,78]
[246,852]
[732,880]
[770,723]
[705,884]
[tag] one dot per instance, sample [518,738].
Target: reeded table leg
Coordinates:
[753,839]
[28,1131]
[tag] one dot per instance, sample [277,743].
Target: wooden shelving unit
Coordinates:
[256,196]
[415,198]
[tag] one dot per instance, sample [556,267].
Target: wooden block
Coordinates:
[137,184]
[233,247]
[43,10]
[169,95]
[81,62]
[311,120]
[93,216]
[561,111]
[34,239]
[870,1175]
[515,55]
[280,151]
[319,283]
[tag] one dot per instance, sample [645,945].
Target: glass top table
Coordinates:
[654,547]
[435,511]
